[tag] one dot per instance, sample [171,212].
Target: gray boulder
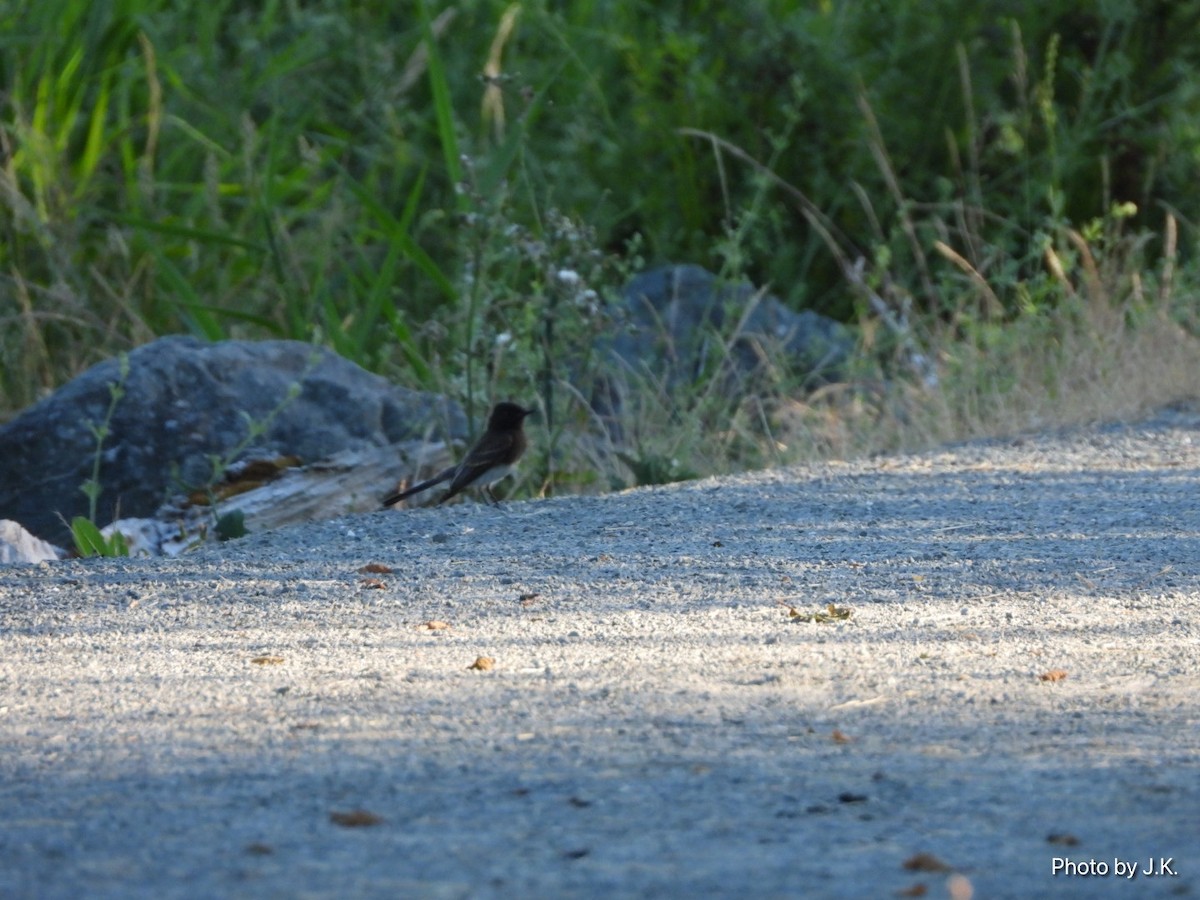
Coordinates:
[682,318]
[186,401]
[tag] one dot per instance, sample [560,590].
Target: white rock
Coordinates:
[18,545]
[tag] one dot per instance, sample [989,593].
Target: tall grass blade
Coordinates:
[442,106]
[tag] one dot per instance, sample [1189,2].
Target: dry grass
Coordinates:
[1096,366]
[1090,361]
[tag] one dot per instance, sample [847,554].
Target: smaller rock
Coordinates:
[679,311]
[683,321]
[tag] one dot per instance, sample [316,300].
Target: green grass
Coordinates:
[1011,198]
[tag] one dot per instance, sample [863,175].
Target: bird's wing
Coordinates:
[492,450]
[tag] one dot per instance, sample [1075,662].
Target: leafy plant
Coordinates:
[231,525]
[90,542]
[88,539]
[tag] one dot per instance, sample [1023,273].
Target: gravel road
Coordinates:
[1010,708]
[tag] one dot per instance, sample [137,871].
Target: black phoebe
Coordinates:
[493,457]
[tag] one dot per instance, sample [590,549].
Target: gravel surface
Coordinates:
[1010,709]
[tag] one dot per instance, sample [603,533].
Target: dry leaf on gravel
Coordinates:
[925,862]
[1064,839]
[831,613]
[375,569]
[355,818]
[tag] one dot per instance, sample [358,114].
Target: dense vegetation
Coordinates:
[1005,187]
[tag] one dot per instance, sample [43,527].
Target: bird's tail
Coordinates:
[444,475]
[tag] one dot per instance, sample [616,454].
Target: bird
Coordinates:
[493,457]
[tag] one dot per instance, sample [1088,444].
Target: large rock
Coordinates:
[683,318]
[186,402]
